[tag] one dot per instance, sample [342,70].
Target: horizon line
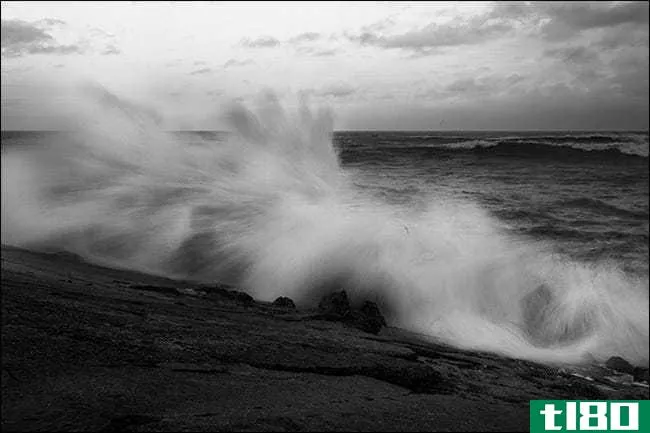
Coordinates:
[377,130]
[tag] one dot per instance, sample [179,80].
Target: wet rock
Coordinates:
[640,374]
[242,297]
[335,306]
[223,291]
[621,378]
[369,318]
[284,302]
[619,364]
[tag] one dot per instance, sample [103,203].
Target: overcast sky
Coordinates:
[378,65]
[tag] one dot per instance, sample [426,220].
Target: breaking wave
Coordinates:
[270,209]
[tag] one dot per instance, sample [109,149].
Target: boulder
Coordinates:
[369,318]
[335,306]
[619,364]
[284,302]
[640,374]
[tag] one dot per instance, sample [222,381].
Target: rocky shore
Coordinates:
[85,348]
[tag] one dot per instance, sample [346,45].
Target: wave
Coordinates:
[616,145]
[271,210]
[537,148]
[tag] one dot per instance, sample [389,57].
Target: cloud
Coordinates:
[583,16]
[316,52]
[339,90]
[17,35]
[624,36]
[51,22]
[111,50]
[553,21]
[471,88]
[305,37]
[573,55]
[21,38]
[201,71]
[427,39]
[107,39]
[234,62]
[261,42]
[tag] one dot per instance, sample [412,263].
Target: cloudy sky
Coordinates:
[378,65]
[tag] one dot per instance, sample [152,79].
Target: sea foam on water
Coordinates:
[271,210]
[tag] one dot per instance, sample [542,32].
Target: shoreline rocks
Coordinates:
[336,307]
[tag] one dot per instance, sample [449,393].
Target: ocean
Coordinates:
[527,244]
[586,193]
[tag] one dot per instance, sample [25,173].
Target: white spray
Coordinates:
[271,210]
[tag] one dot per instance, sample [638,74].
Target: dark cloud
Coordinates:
[234,62]
[305,37]
[570,18]
[201,71]
[428,38]
[624,36]
[261,42]
[20,38]
[554,21]
[16,34]
[573,55]
[558,21]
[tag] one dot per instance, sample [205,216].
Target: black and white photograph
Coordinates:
[325,216]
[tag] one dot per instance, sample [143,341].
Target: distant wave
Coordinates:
[540,148]
[626,144]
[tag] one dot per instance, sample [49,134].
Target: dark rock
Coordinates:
[284,302]
[335,306]
[619,364]
[369,318]
[227,292]
[242,297]
[640,374]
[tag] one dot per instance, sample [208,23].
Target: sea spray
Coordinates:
[270,209]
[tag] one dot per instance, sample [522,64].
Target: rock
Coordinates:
[242,297]
[335,306]
[190,292]
[619,364]
[621,378]
[640,374]
[284,302]
[369,318]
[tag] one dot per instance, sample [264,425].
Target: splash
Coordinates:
[271,210]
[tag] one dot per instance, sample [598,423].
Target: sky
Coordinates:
[377,65]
